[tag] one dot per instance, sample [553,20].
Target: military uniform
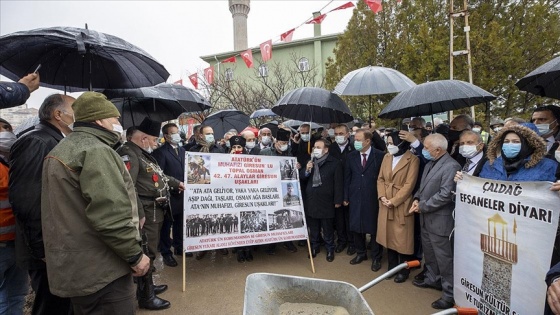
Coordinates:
[291,200]
[150,183]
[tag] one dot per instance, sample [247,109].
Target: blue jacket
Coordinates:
[13,94]
[543,171]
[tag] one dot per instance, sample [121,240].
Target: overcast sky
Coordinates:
[176,33]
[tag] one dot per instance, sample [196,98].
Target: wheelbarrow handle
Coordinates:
[458,310]
[405,265]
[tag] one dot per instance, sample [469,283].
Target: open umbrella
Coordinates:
[190,100]
[313,104]
[543,81]
[134,110]
[296,123]
[435,97]
[79,58]
[224,120]
[372,80]
[265,112]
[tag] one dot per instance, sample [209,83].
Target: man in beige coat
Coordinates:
[395,225]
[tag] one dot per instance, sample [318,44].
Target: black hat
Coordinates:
[237,140]
[428,124]
[283,135]
[150,127]
[477,123]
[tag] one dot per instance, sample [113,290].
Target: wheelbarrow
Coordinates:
[268,294]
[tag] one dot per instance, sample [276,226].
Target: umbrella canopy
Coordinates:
[273,126]
[435,97]
[265,112]
[190,99]
[373,80]
[313,104]
[79,58]
[296,123]
[224,120]
[543,81]
[133,110]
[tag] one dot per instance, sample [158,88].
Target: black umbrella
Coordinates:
[134,110]
[313,104]
[79,58]
[543,81]
[190,99]
[225,120]
[273,126]
[265,112]
[435,97]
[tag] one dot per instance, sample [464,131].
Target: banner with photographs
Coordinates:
[504,236]
[241,200]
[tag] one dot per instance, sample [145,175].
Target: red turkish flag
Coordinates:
[194,80]
[287,37]
[230,59]
[266,50]
[374,5]
[180,82]
[248,57]
[344,6]
[318,19]
[209,74]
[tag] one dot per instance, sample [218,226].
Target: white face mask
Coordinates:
[7,139]
[265,140]
[340,139]
[497,129]
[250,145]
[392,149]
[305,137]
[317,153]
[331,132]
[544,128]
[209,139]
[477,130]
[175,138]
[118,129]
[283,147]
[557,156]
[468,151]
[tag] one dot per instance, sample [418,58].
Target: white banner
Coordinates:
[504,236]
[241,200]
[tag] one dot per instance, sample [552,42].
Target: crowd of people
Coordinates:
[75,197]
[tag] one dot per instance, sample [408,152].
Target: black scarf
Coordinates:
[403,145]
[514,164]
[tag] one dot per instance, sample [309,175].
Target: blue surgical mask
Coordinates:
[209,139]
[427,155]
[511,150]
[358,145]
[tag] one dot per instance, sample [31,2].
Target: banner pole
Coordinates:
[310,256]
[184,271]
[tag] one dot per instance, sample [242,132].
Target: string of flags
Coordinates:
[286,37]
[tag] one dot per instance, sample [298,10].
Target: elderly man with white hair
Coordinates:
[433,201]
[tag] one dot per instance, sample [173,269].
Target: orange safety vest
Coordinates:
[7,219]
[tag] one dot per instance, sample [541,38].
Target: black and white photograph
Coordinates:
[211,224]
[285,219]
[290,194]
[288,170]
[252,221]
[199,169]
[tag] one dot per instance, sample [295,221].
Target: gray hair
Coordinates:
[470,132]
[303,126]
[50,103]
[231,133]
[437,140]
[421,120]
[466,118]
[264,129]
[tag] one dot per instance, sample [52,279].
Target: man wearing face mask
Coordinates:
[478,128]
[265,138]
[547,120]
[323,183]
[153,187]
[171,158]
[205,141]
[471,147]
[26,164]
[339,150]
[13,280]
[90,214]
[250,143]
[459,124]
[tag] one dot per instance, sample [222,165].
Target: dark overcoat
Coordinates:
[319,202]
[173,164]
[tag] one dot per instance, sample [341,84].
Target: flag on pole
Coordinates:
[287,37]
[317,20]
[248,57]
[230,59]
[194,80]
[374,5]
[209,74]
[180,82]
[344,6]
[266,50]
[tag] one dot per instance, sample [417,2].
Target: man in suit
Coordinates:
[360,194]
[340,150]
[251,142]
[171,158]
[434,202]
[459,124]
[547,120]
[471,147]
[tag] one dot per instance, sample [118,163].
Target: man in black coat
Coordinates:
[360,193]
[171,158]
[339,150]
[205,141]
[26,167]
[251,145]
[323,182]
